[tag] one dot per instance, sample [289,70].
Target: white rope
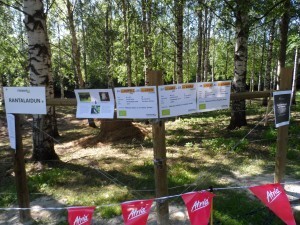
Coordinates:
[34,208]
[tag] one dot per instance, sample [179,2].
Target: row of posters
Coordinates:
[150,102]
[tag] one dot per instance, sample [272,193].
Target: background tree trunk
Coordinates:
[262,63]
[1,90]
[284,28]
[40,75]
[146,25]
[295,73]
[199,42]
[125,6]
[267,80]
[238,113]
[179,6]
[75,47]
[108,45]
[76,53]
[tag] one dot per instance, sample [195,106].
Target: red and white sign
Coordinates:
[274,197]
[80,215]
[136,212]
[198,205]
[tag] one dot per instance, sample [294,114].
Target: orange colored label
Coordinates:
[127,91]
[224,84]
[185,86]
[168,88]
[147,89]
[207,85]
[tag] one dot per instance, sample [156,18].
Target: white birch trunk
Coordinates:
[238,114]
[40,75]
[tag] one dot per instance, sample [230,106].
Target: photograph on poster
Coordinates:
[104,96]
[95,109]
[84,96]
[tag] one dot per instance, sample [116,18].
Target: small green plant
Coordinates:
[110,211]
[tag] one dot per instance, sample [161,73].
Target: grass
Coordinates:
[200,151]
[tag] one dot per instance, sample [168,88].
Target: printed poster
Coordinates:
[282,103]
[95,103]
[25,100]
[176,100]
[136,102]
[11,129]
[213,95]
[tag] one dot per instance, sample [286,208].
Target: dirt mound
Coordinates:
[117,131]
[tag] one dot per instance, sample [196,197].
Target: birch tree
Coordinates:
[238,113]
[40,75]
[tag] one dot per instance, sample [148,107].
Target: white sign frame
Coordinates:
[136,102]
[95,103]
[25,100]
[177,99]
[213,96]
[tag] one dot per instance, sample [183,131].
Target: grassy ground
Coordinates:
[201,153]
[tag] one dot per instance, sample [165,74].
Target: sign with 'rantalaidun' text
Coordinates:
[25,100]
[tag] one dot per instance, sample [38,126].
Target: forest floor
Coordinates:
[201,153]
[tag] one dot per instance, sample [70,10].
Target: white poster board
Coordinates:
[177,99]
[11,127]
[95,103]
[136,102]
[213,95]
[282,105]
[25,100]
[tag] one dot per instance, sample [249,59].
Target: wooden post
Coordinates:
[160,158]
[20,174]
[285,83]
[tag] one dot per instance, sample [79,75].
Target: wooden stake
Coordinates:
[285,83]
[20,174]
[160,164]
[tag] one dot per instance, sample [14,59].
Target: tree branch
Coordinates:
[268,11]
[12,6]
[219,17]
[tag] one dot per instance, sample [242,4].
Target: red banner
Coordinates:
[274,197]
[198,205]
[136,212]
[80,215]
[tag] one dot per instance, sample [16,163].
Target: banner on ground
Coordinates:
[80,215]
[95,103]
[136,102]
[282,104]
[136,212]
[199,206]
[275,198]
[25,100]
